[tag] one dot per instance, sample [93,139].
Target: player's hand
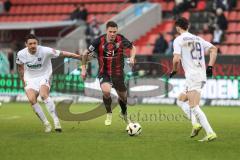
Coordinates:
[172,74]
[24,84]
[84,74]
[131,61]
[209,71]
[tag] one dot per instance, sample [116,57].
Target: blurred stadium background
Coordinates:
[149,24]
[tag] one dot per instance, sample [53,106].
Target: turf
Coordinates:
[165,135]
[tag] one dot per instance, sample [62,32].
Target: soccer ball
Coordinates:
[134,129]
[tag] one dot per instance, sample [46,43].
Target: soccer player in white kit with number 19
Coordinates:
[35,69]
[189,50]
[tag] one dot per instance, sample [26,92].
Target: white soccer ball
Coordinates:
[134,129]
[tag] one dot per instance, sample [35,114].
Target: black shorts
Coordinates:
[117,82]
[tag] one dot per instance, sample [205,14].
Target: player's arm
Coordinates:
[176,57]
[133,50]
[213,56]
[20,68]
[86,56]
[70,55]
[132,55]
[176,61]
[84,63]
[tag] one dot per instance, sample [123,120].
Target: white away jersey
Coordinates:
[39,64]
[192,49]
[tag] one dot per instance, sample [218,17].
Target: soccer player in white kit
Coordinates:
[35,69]
[189,49]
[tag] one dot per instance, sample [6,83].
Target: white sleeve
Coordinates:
[206,45]
[176,46]
[19,59]
[53,53]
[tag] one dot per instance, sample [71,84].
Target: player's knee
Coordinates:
[106,94]
[123,99]
[32,100]
[44,97]
[182,97]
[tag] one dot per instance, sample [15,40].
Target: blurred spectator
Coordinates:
[80,13]
[17,45]
[11,61]
[93,31]
[169,51]
[1,7]
[161,45]
[212,5]
[211,21]
[192,3]
[75,13]
[232,4]
[4,64]
[7,5]
[183,5]
[221,4]
[83,14]
[217,35]
[221,19]
[179,7]
[205,28]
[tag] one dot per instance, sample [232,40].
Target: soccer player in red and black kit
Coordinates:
[109,50]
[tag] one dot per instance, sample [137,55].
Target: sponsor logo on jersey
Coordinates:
[91,48]
[34,66]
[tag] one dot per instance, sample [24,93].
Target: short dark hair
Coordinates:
[182,23]
[111,24]
[30,36]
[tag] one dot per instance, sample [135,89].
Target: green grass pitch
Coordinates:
[162,138]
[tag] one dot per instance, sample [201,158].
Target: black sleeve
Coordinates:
[93,47]
[126,43]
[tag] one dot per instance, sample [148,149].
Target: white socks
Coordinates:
[38,110]
[202,119]
[186,109]
[51,109]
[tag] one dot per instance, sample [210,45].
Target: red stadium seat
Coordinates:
[168,26]
[163,6]
[238,16]
[47,9]
[144,50]
[232,27]
[232,50]
[231,38]
[208,37]
[186,15]
[168,37]
[152,39]
[232,16]
[238,6]
[237,28]
[226,13]
[201,5]
[224,49]
[238,39]
[170,6]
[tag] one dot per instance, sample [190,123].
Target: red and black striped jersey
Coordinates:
[110,55]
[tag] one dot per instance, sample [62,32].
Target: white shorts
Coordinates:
[36,83]
[193,85]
